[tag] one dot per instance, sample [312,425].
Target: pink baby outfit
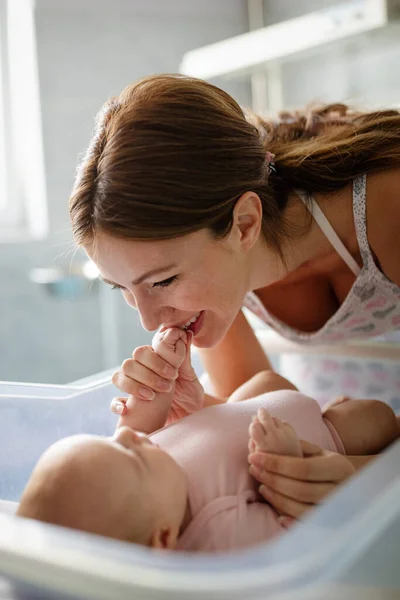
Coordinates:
[371,308]
[211,447]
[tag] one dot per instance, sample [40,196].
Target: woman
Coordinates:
[193,208]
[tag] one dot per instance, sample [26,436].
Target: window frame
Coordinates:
[23,209]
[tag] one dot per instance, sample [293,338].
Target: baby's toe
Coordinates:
[265,418]
[174,335]
[171,345]
[180,349]
[256,431]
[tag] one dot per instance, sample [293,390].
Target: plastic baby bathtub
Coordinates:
[349,547]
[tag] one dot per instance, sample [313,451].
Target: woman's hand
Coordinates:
[143,376]
[152,371]
[293,485]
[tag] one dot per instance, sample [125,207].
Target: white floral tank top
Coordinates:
[372,306]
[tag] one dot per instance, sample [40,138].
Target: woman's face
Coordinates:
[171,282]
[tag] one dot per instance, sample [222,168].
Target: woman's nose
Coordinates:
[149,323]
[150,315]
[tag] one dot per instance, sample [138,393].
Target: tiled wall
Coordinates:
[87,51]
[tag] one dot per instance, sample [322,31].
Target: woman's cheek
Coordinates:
[186,299]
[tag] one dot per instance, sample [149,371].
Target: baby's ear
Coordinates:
[164,538]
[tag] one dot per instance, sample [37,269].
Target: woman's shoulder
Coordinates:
[387,180]
[383,220]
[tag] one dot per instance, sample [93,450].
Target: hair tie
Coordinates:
[270,162]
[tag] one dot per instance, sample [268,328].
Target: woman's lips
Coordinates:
[196,326]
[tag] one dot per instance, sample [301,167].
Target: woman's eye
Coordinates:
[117,287]
[165,282]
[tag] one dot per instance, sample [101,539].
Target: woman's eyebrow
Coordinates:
[107,281]
[143,278]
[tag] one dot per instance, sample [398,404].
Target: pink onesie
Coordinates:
[211,447]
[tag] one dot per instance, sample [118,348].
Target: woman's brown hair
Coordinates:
[172,154]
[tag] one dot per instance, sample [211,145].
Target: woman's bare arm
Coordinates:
[234,360]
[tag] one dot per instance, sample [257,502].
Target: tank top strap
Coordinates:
[360,215]
[328,230]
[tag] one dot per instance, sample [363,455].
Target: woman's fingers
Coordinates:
[283,504]
[329,467]
[286,521]
[302,491]
[118,406]
[291,484]
[143,376]
[310,449]
[138,380]
[133,387]
[146,356]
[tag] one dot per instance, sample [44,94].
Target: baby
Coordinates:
[187,486]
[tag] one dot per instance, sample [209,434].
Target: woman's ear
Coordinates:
[247,219]
[164,538]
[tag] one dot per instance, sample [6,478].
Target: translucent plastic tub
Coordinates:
[347,548]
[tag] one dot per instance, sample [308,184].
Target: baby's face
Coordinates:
[123,487]
[155,476]
[154,467]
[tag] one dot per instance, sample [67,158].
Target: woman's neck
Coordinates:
[305,242]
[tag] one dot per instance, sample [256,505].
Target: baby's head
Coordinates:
[122,487]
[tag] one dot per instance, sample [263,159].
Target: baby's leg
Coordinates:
[261,383]
[364,426]
[269,434]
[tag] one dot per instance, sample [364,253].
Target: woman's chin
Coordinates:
[204,339]
[208,338]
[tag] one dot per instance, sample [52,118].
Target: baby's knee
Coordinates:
[261,383]
[269,381]
[262,378]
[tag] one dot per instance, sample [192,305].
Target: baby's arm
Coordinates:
[145,416]
[152,415]
[364,426]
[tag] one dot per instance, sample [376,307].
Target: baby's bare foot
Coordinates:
[269,434]
[171,345]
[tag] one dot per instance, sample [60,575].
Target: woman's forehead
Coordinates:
[106,245]
[118,258]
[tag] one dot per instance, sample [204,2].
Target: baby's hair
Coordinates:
[66,493]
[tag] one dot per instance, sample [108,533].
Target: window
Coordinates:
[23,211]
